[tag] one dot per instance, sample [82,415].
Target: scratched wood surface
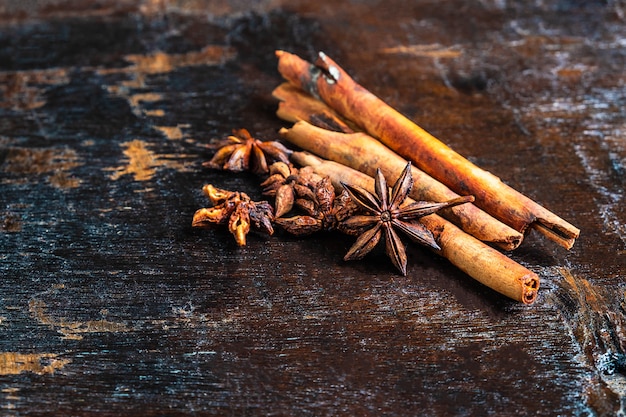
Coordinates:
[111,304]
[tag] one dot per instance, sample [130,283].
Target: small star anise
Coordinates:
[235,209]
[241,152]
[388,213]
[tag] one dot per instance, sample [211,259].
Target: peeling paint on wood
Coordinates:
[142,163]
[108,292]
[13,363]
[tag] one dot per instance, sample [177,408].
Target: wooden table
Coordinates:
[111,304]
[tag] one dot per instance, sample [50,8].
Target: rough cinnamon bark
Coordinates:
[364,153]
[329,82]
[470,255]
[296,105]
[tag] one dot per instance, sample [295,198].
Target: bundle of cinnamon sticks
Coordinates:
[352,133]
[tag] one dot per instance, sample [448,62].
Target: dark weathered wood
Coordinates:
[111,304]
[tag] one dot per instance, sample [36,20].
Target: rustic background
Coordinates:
[111,304]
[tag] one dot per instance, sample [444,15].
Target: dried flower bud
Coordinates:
[272,184]
[261,216]
[307,205]
[216,195]
[324,194]
[300,225]
[285,199]
[303,191]
[283,169]
[239,224]
[205,216]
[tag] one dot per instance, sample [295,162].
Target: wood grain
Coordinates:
[111,304]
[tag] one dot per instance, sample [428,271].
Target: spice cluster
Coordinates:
[352,142]
[305,202]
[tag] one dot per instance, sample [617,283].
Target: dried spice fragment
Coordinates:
[237,210]
[241,152]
[280,185]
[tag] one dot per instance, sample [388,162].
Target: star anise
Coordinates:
[235,209]
[385,214]
[241,152]
[315,196]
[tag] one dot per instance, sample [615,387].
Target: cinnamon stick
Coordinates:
[295,105]
[364,153]
[473,257]
[329,82]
